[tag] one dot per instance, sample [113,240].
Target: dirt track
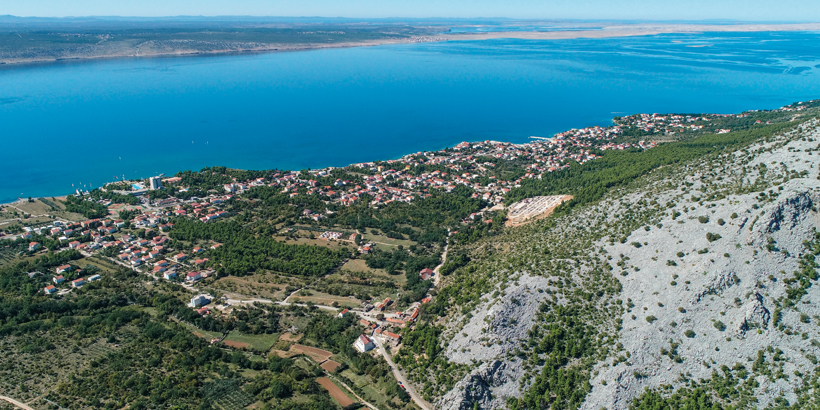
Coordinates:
[23,405]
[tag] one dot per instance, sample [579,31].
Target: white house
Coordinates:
[364,344]
[199,300]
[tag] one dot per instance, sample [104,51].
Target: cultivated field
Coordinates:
[261,343]
[330,366]
[316,354]
[335,391]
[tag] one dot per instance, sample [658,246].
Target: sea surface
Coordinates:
[81,124]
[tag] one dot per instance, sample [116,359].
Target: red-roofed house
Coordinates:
[33,246]
[392,335]
[63,269]
[192,277]
[50,289]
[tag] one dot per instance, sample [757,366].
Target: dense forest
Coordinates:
[243,253]
[88,209]
[130,348]
[589,182]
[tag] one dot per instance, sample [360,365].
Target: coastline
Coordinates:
[605,32]
[560,136]
[632,31]
[39,188]
[252,49]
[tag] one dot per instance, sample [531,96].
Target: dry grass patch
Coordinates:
[235,344]
[314,353]
[290,337]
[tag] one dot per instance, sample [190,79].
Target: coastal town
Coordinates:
[313,205]
[138,233]
[142,243]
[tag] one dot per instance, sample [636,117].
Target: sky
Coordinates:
[743,10]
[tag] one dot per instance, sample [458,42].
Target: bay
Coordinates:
[80,124]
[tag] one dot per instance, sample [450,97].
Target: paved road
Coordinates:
[399,376]
[16,403]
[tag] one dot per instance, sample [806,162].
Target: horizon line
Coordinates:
[568,19]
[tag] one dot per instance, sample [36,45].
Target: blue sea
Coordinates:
[80,124]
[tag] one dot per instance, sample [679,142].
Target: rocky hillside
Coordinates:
[694,282]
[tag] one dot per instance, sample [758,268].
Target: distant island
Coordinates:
[39,40]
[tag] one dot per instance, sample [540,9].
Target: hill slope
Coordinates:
[693,282]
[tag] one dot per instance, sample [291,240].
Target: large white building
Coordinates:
[199,300]
[364,344]
[154,183]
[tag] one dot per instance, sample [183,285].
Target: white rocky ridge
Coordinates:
[700,283]
[497,327]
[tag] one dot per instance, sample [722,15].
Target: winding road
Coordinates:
[400,376]
[383,351]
